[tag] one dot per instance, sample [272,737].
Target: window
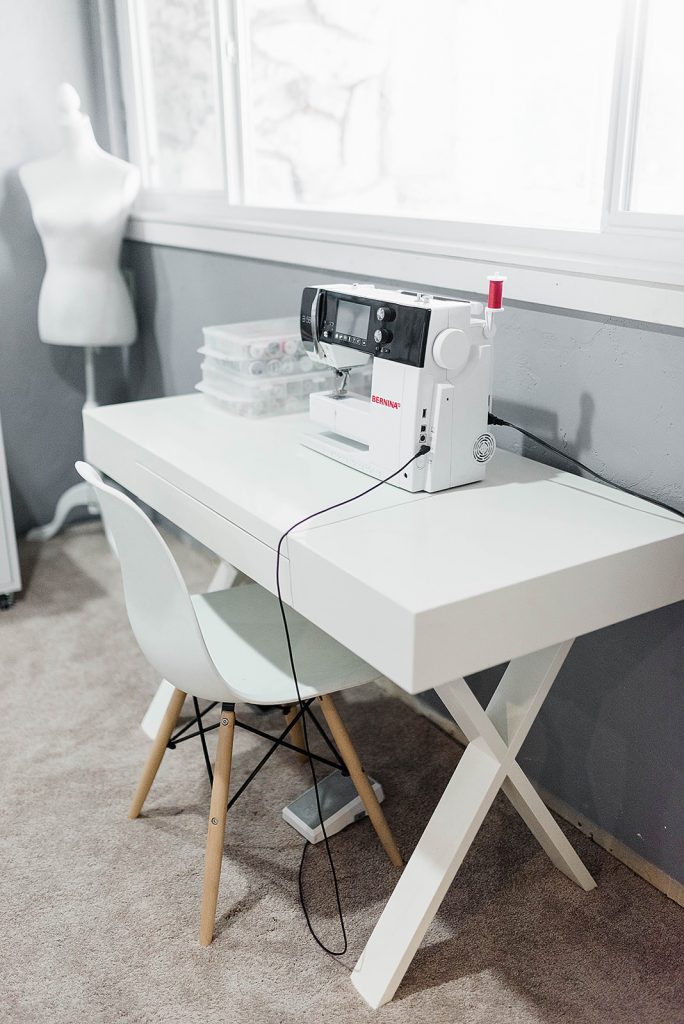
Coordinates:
[470,111]
[179,94]
[420,140]
[657,184]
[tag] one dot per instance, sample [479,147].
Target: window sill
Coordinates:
[614,273]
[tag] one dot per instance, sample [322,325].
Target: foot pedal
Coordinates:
[340,804]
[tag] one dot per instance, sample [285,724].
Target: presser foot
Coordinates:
[342,378]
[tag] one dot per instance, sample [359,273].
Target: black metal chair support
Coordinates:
[276,741]
[325,736]
[279,742]
[171,745]
[201,730]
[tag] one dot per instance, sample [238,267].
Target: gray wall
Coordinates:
[609,739]
[42,43]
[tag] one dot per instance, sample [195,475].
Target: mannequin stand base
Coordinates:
[78,496]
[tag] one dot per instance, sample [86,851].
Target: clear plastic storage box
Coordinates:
[272,396]
[258,347]
[269,366]
[260,368]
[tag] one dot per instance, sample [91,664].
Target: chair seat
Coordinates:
[243,630]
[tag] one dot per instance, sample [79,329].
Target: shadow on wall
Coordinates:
[613,728]
[545,424]
[145,374]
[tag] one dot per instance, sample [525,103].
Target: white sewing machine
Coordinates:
[431,382]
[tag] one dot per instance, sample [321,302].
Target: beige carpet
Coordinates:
[99,915]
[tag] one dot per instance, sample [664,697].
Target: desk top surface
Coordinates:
[253,470]
[525,519]
[417,552]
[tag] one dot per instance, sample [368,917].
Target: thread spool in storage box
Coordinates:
[260,368]
[255,339]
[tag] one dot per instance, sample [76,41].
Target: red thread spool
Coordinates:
[495,292]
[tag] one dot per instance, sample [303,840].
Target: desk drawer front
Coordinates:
[231,544]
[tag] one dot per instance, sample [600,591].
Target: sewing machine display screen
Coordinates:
[352,319]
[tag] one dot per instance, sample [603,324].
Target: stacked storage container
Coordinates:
[260,368]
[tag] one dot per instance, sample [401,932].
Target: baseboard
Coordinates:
[670,887]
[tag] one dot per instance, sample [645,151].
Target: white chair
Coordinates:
[226,647]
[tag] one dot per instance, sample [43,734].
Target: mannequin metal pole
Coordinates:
[90,389]
[81,494]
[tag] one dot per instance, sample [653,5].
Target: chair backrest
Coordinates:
[157,601]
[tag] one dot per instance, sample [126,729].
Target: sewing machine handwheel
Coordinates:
[451,349]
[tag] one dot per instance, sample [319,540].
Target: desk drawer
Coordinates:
[232,544]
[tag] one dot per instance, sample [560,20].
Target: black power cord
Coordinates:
[423,450]
[498,422]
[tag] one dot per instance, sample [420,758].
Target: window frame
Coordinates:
[632,267]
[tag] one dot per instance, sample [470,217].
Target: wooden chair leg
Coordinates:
[360,779]
[154,758]
[296,733]
[217,824]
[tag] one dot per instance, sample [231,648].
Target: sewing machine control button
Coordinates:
[382,335]
[386,314]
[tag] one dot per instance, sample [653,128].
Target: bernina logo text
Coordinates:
[379,400]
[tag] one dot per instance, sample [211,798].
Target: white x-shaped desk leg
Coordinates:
[488,764]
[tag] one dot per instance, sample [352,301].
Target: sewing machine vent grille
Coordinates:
[484,448]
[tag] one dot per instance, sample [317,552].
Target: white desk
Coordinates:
[427,588]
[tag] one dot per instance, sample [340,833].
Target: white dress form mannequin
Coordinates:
[81,199]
